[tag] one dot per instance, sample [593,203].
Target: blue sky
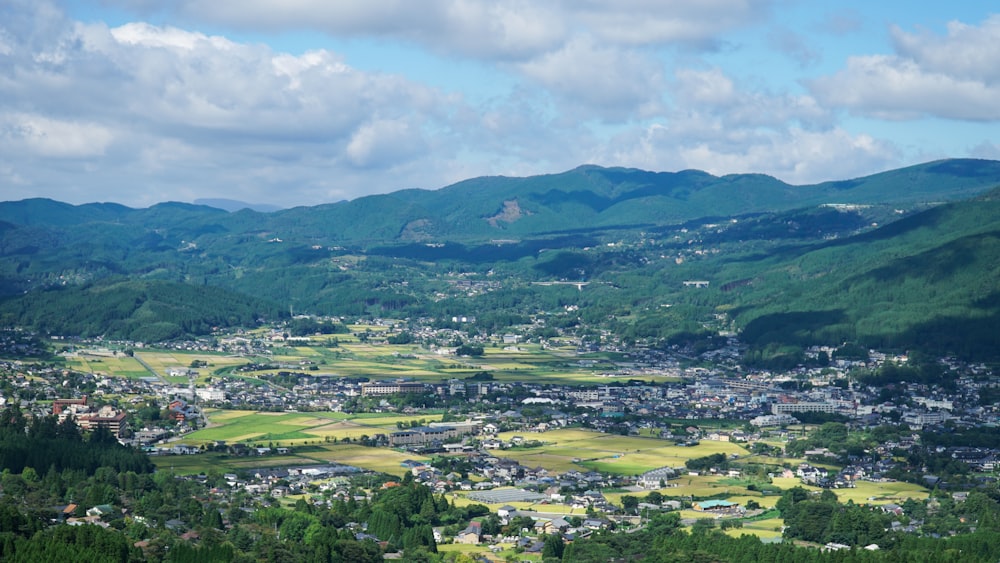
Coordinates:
[310,101]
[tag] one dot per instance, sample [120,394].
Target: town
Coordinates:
[484,429]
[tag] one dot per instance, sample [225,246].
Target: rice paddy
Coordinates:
[292,429]
[567,449]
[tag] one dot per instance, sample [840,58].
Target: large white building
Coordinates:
[786,408]
[210,394]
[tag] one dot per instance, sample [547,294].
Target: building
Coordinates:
[715,506]
[390,388]
[787,408]
[106,417]
[767,420]
[422,435]
[59,405]
[655,479]
[210,394]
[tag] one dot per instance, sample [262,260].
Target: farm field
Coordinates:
[623,455]
[294,428]
[163,360]
[374,459]
[353,358]
[768,529]
[111,366]
[382,460]
[867,492]
[223,463]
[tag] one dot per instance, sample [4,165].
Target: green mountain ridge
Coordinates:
[878,260]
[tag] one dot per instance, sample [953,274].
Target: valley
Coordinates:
[506,367]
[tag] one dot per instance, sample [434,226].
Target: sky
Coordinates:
[304,102]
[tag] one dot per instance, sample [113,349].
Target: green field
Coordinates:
[352,358]
[374,459]
[291,429]
[568,449]
[112,366]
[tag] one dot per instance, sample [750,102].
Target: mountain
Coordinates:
[898,259]
[588,197]
[591,197]
[236,205]
[928,280]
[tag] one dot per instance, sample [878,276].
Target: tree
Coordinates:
[630,503]
[553,546]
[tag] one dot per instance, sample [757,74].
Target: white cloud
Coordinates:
[55,138]
[794,155]
[648,22]
[612,82]
[953,77]
[180,111]
[967,53]
[712,95]
[90,112]
[502,29]
[384,143]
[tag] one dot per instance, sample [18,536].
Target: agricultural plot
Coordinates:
[114,366]
[222,463]
[768,529]
[374,459]
[567,449]
[866,492]
[290,429]
[163,360]
[285,428]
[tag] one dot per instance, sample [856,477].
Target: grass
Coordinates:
[223,463]
[611,453]
[292,429]
[763,529]
[117,366]
[375,459]
[352,358]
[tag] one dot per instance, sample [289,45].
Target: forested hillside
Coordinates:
[879,261]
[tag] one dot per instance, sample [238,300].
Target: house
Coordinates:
[101,510]
[471,534]
[714,506]
[506,511]
[892,508]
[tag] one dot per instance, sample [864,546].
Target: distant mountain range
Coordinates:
[901,258]
[236,205]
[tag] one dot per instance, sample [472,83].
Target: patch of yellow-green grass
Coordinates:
[460,498]
[764,501]
[221,463]
[868,492]
[283,428]
[865,492]
[700,486]
[222,415]
[564,449]
[375,459]
[689,514]
[697,486]
[111,366]
[341,431]
[763,529]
